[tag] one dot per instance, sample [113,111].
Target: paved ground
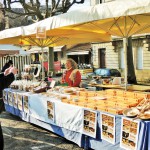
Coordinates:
[20,135]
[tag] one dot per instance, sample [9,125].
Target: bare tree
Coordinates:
[2,18]
[39,9]
[35,10]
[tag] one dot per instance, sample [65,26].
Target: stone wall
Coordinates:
[112,56]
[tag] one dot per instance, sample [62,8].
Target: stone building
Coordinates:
[110,55]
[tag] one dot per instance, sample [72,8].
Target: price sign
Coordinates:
[41,32]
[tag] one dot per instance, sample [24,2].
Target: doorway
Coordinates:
[102,61]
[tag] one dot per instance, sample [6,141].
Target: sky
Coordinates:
[74,7]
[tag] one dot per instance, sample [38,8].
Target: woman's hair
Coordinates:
[10,62]
[73,63]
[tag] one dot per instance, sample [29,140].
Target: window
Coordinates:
[55,56]
[102,56]
[139,58]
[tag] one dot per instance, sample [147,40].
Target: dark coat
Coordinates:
[7,65]
[5,81]
[1,139]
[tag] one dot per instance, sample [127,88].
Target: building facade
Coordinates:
[111,55]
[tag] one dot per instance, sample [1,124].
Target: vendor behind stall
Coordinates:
[72,75]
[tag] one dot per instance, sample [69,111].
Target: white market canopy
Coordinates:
[91,24]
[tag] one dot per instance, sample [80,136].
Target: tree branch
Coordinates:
[35,9]
[46,9]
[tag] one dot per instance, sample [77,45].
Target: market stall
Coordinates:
[142,88]
[94,24]
[92,119]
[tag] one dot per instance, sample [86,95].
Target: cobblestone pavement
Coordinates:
[20,135]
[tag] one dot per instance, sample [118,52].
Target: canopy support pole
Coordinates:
[125,61]
[43,76]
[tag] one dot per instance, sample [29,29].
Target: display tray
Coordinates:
[40,89]
[145,117]
[131,112]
